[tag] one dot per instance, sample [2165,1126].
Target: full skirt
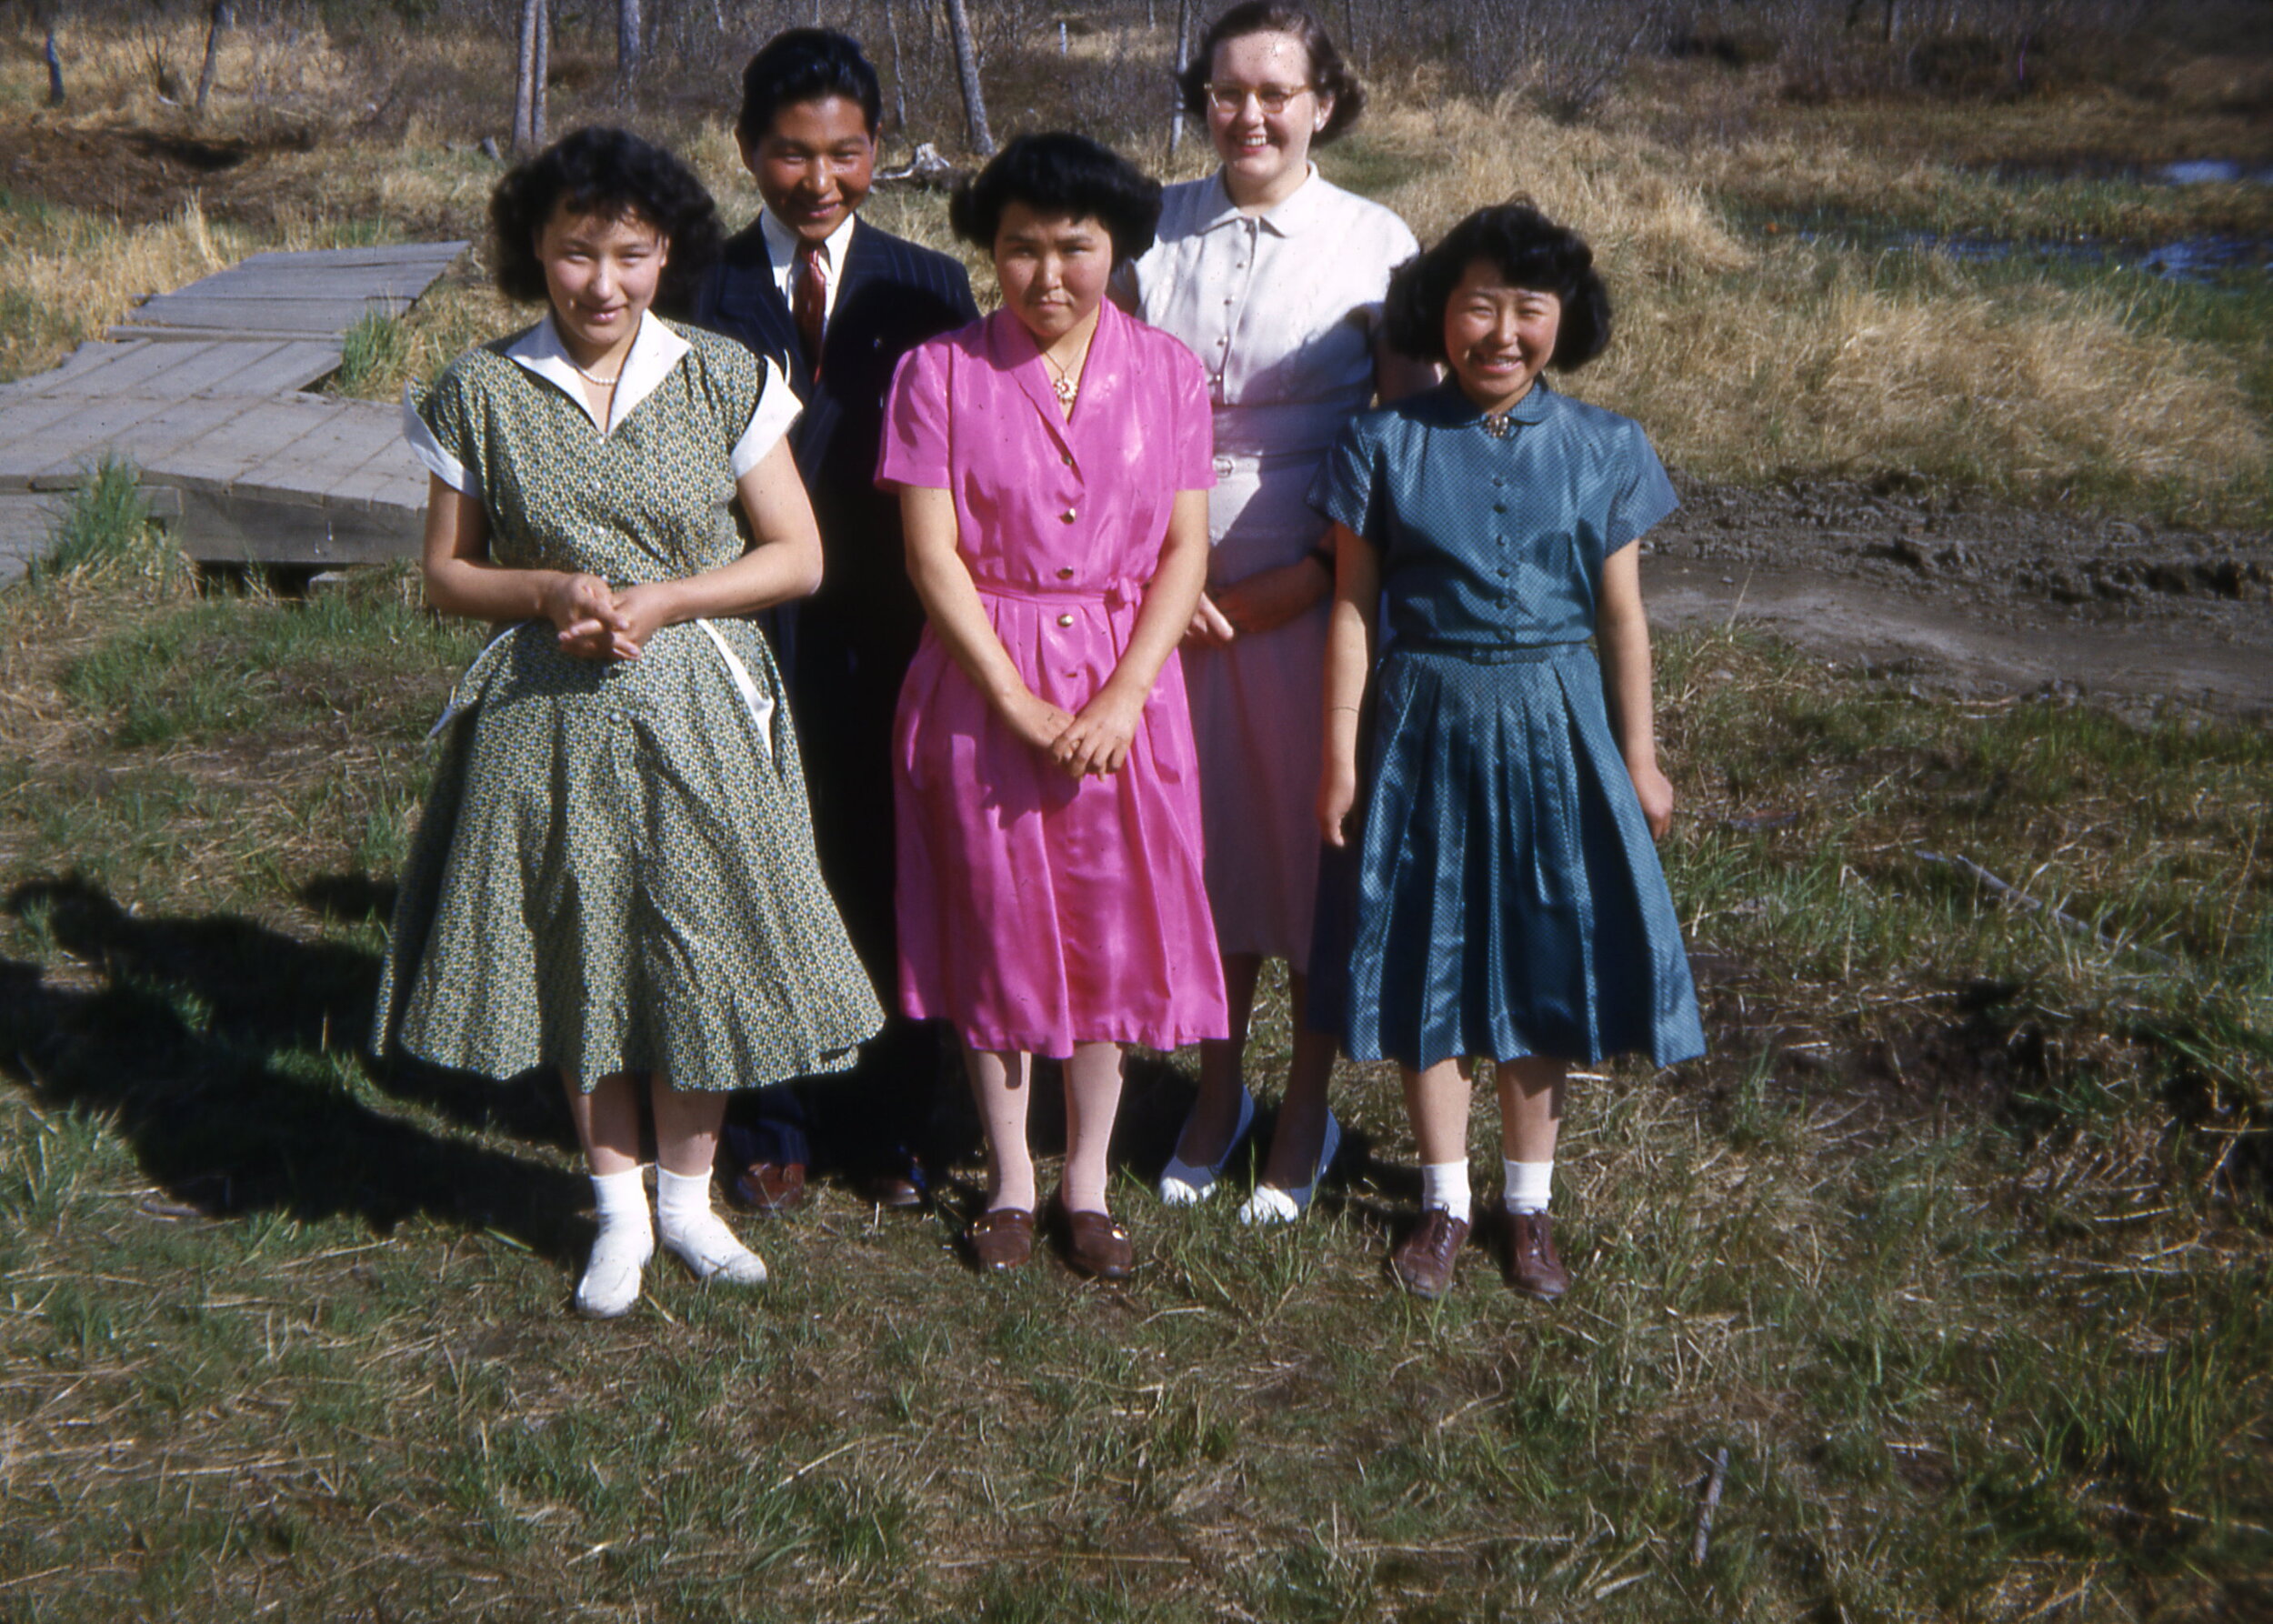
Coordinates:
[614,871]
[1505,897]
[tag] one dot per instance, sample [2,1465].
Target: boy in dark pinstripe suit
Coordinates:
[837,302]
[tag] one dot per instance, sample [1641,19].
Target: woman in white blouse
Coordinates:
[1274,276]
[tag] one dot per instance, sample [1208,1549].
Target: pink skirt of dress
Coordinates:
[1037,912]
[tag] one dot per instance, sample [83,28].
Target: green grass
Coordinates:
[1958,1241]
[105,527]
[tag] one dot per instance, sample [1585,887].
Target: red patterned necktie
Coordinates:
[808,301]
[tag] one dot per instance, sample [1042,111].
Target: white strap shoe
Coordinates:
[710,1249]
[1184,1185]
[610,1285]
[1271,1205]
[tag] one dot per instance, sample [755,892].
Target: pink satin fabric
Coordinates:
[1035,912]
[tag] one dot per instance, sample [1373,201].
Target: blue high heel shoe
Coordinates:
[1271,1205]
[1182,1184]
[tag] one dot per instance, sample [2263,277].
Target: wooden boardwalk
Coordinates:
[203,390]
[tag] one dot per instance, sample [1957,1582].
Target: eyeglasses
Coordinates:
[1271,98]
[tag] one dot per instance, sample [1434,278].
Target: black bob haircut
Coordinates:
[1329,75]
[1060,174]
[806,65]
[611,174]
[1529,250]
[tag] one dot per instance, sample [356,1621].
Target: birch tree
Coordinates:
[967,68]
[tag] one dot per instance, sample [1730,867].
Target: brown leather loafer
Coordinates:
[1530,1264]
[1424,1262]
[898,1188]
[1001,1240]
[1096,1245]
[772,1189]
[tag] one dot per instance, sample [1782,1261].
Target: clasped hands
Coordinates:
[1093,744]
[596,622]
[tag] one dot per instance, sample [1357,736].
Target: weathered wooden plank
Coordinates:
[350,282]
[392,478]
[292,367]
[140,375]
[230,336]
[212,367]
[89,357]
[36,438]
[222,455]
[237,527]
[440,253]
[25,523]
[150,442]
[222,316]
[341,442]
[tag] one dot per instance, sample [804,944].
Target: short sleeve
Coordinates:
[1396,245]
[1343,489]
[1644,495]
[1194,450]
[776,409]
[438,430]
[914,448]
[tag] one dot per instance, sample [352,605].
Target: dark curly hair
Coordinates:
[1060,174]
[1530,251]
[609,172]
[1329,75]
[806,65]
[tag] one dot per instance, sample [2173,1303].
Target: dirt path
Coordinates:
[1977,597]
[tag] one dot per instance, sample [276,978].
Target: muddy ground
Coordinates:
[1976,596]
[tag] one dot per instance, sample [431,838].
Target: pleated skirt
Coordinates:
[1505,897]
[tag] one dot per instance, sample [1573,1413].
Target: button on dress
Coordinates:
[1037,912]
[1506,899]
[1281,309]
[614,870]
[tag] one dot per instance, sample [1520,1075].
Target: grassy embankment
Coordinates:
[1958,1241]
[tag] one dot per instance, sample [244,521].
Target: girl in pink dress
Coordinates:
[1052,463]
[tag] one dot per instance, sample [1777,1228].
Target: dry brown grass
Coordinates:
[1749,363]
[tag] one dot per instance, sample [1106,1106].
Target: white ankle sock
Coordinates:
[1446,1184]
[1528,1184]
[697,1236]
[611,1275]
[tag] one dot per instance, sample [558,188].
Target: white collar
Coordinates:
[781,243]
[655,350]
[1293,213]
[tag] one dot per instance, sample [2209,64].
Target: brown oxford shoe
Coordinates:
[1096,1245]
[1424,1263]
[772,1189]
[1530,1264]
[1001,1238]
[899,1188]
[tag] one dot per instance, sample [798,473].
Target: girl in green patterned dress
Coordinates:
[614,874]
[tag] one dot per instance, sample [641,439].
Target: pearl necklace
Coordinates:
[605,382]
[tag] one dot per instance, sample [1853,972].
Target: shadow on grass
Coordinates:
[229,1055]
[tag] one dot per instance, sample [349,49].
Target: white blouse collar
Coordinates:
[655,350]
[1291,216]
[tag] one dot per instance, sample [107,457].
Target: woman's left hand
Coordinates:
[1096,741]
[1655,791]
[645,610]
[1269,598]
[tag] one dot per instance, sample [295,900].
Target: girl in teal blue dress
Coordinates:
[1506,899]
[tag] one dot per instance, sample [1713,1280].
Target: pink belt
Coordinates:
[1113,594]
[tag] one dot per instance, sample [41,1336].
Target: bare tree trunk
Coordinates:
[966,67]
[55,70]
[223,19]
[627,47]
[526,86]
[1183,61]
[544,67]
[899,78]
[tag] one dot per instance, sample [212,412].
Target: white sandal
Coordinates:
[1184,1185]
[1271,1205]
